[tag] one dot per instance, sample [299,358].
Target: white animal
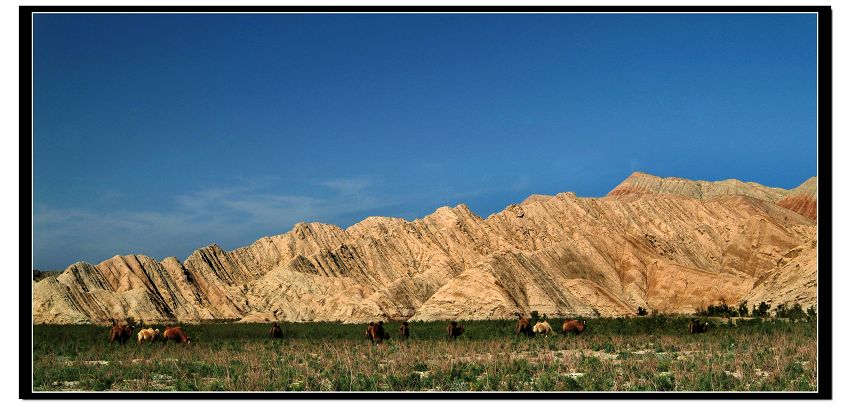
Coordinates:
[542,328]
[148,334]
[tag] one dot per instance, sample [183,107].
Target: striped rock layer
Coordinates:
[666,244]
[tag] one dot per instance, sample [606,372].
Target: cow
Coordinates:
[175,334]
[542,328]
[120,333]
[574,326]
[275,332]
[454,330]
[404,330]
[148,334]
[696,327]
[376,333]
[523,326]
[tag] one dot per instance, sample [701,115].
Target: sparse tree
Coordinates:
[641,311]
[811,313]
[742,309]
[761,310]
[795,312]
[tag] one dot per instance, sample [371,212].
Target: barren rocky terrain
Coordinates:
[667,244]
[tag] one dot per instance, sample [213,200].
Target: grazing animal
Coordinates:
[404,330]
[574,326]
[523,326]
[148,334]
[275,332]
[120,333]
[175,334]
[454,330]
[376,333]
[542,328]
[369,331]
[696,327]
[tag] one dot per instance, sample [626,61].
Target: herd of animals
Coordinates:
[375,331]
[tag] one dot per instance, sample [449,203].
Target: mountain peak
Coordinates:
[643,183]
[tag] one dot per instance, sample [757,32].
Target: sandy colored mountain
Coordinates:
[667,244]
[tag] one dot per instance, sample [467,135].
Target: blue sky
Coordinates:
[159,134]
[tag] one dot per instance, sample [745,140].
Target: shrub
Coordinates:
[720,310]
[761,310]
[795,312]
[811,313]
[742,309]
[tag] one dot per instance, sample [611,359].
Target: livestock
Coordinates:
[696,327]
[404,330]
[376,333]
[175,334]
[120,333]
[275,332]
[574,326]
[542,328]
[148,334]
[454,330]
[523,326]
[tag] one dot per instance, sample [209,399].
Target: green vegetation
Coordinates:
[795,312]
[742,309]
[761,310]
[643,353]
[811,313]
[720,310]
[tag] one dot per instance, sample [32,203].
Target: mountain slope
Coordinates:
[646,244]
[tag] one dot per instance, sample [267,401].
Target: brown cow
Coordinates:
[523,326]
[454,330]
[175,334]
[404,330]
[376,333]
[696,327]
[275,332]
[574,326]
[120,333]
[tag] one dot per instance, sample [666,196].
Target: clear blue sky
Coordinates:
[159,134]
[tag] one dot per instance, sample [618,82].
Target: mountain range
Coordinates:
[670,245]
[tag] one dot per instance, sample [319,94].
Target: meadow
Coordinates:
[653,353]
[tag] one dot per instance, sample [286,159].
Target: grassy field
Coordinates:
[634,354]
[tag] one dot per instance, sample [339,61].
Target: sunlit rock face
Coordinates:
[666,244]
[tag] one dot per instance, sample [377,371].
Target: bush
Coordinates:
[795,312]
[720,310]
[742,309]
[811,313]
[761,310]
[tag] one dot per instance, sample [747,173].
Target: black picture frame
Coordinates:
[824,330]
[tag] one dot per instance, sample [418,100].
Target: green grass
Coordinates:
[631,354]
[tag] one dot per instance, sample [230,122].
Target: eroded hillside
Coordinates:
[667,244]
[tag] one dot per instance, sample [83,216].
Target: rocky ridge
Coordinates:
[670,245]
